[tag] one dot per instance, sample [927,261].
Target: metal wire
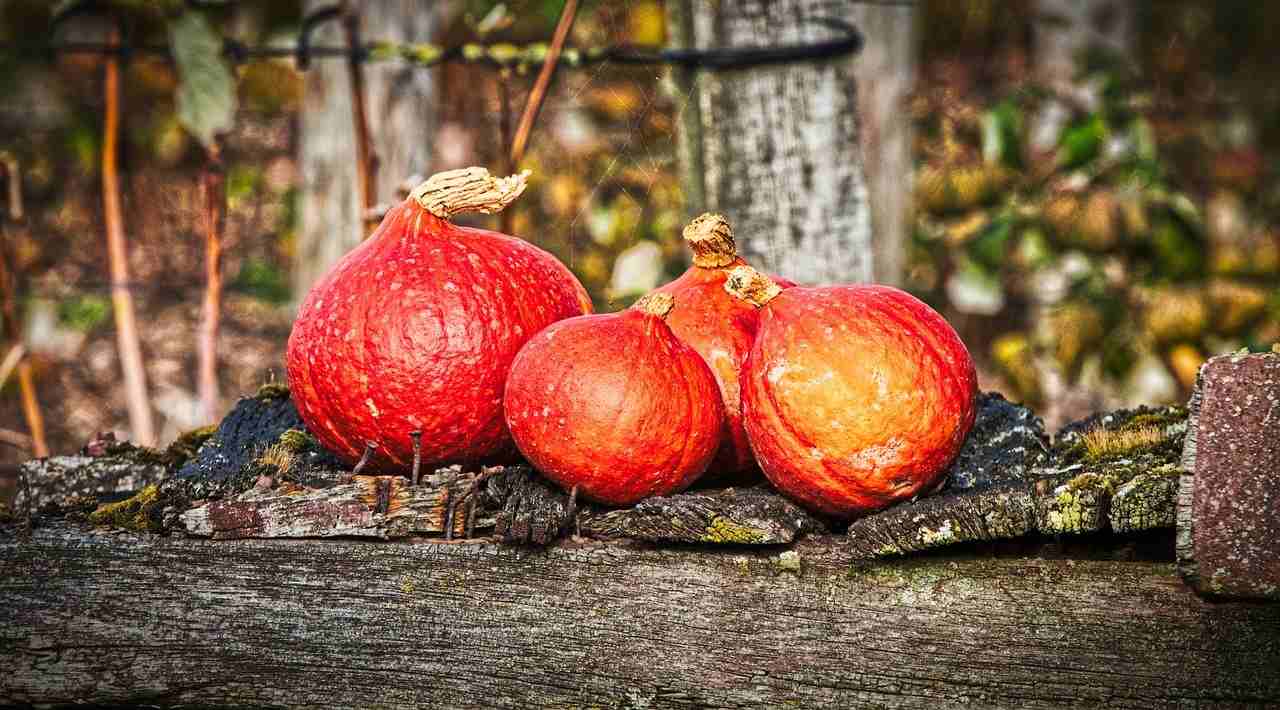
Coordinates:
[499,55]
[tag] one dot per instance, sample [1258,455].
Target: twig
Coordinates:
[213,194]
[12,331]
[10,362]
[135,377]
[533,105]
[16,439]
[539,92]
[366,158]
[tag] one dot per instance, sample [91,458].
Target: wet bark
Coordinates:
[93,618]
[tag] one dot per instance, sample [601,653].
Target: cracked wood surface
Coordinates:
[121,618]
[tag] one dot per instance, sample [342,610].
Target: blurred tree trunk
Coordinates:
[1065,30]
[782,150]
[401,112]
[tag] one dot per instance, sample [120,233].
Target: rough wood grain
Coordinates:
[167,621]
[780,144]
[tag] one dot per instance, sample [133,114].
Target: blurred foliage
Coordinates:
[1147,238]
[84,312]
[262,280]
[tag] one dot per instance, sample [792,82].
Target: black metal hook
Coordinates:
[302,52]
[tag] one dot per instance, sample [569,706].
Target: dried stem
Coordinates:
[468,190]
[711,240]
[656,304]
[366,158]
[749,285]
[12,331]
[135,378]
[213,195]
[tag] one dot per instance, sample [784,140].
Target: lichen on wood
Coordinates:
[1070,488]
[728,516]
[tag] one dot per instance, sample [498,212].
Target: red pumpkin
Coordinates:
[414,330]
[717,325]
[854,397]
[615,405]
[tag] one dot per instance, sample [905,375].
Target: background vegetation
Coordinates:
[1099,270]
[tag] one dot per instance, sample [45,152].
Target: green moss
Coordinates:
[131,514]
[187,444]
[296,441]
[272,390]
[1163,418]
[725,531]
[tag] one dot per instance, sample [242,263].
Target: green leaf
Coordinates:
[1082,142]
[207,92]
[1001,127]
[989,248]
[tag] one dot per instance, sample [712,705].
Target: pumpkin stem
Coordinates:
[468,190]
[747,284]
[711,239]
[657,304]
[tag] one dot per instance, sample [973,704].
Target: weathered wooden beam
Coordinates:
[121,618]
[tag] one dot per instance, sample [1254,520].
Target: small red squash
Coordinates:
[854,397]
[414,330]
[720,327]
[615,405]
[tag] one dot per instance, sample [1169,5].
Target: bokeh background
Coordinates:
[1093,265]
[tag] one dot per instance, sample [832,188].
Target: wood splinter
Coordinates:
[416,435]
[369,448]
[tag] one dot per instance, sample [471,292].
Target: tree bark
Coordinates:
[401,115]
[94,618]
[780,147]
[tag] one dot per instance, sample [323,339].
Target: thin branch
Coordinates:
[533,105]
[10,362]
[135,378]
[213,195]
[17,440]
[12,330]
[366,157]
[539,92]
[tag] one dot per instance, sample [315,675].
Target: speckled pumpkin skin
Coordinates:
[721,328]
[415,329]
[615,404]
[855,397]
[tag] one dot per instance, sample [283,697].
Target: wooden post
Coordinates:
[400,105]
[781,147]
